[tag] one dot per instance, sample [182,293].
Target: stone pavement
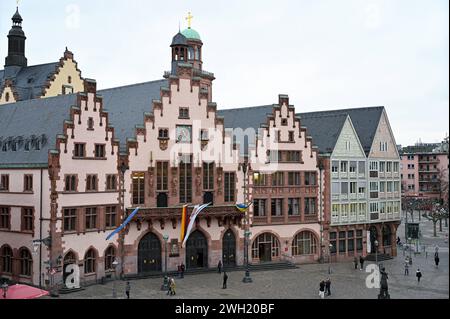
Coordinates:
[301,283]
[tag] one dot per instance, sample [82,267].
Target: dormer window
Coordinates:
[184,113]
[90,123]
[163,134]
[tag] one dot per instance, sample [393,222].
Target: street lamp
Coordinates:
[5,288]
[409,248]
[376,252]
[247,279]
[330,247]
[165,285]
[123,168]
[114,265]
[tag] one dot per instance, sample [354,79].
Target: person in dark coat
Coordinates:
[322,289]
[183,269]
[436,259]
[418,275]
[128,289]
[179,271]
[355,262]
[361,261]
[219,266]
[328,287]
[225,279]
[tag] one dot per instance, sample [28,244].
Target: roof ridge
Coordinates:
[346,109]
[131,85]
[36,65]
[249,107]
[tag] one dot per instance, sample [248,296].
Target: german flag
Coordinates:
[184,222]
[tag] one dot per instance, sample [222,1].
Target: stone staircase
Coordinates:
[269,266]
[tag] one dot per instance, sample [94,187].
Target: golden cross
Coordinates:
[188,18]
[17,2]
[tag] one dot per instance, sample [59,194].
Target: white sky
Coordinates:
[325,54]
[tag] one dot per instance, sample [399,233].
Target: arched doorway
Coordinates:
[266,247]
[149,254]
[229,249]
[373,237]
[197,251]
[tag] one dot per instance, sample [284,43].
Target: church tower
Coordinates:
[16,44]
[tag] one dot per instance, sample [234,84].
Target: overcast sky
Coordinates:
[325,54]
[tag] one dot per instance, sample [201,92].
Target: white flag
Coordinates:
[197,210]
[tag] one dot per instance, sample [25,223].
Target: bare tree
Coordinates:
[436,214]
[442,180]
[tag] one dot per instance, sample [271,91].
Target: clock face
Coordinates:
[184,134]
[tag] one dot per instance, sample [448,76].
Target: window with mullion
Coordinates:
[230,187]
[79,150]
[208,176]
[294,179]
[186,180]
[294,206]
[28,183]
[27,219]
[91,218]
[162,176]
[277,207]
[111,217]
[278,179]
[91,183]
[70,219]
[5,217]
[4,183]
[310,206]
[259,207]
[138,188]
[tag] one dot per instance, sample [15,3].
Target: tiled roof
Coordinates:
[365,120]
[324,129]
[30,81]
[44,119]
[37,120]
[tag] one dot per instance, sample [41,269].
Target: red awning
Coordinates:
[23,292]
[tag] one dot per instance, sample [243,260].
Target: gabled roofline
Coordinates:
[361,148]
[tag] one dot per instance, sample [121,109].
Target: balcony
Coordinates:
[428,161]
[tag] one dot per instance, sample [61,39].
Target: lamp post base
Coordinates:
[247,280]
[165,285]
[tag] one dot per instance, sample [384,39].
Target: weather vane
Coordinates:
[188,18]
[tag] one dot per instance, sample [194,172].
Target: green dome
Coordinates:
[191,34]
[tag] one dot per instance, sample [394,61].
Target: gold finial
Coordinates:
[188,18]
[17,2]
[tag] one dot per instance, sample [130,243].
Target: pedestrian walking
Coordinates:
[172,287]
[436,259]
[128,289]
[328,287]
[322,289]
[183,269]
[219,266]
[179,271]
[355,262]
[225,279]
[169,288]
[406,267]
[418,275]
[361,261]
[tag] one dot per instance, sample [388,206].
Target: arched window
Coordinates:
[69,258]
[305,243]
[7,96]
[266,242]
[6,259]
[90,262]
[110,256]
[26,262]
[387,240]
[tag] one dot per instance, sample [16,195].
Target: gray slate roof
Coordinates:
[30,81]
[39,118]
[249,117]
[126,106]
[324,129]
[45,118]
[365,120]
